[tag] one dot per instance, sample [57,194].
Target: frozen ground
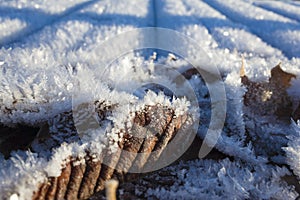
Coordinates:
[46,45]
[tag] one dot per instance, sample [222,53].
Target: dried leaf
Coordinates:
[269,98]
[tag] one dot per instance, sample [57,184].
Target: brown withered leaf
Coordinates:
[269,98]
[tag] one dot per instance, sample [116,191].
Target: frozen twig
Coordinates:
[242,70]
[111,189]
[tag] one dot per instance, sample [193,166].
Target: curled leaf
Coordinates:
[269,98]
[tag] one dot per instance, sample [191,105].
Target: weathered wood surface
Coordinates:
[80,181]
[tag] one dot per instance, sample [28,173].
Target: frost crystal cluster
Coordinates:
[51,79]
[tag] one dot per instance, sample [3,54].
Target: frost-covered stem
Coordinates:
[111,189]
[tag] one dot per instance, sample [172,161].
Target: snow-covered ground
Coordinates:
[277,30]
[46,46]
[286,9]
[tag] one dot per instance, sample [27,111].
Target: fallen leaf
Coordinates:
[269,98]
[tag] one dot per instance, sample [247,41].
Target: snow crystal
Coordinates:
[293,149]
[22,174]
[14,197]
[207,179]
